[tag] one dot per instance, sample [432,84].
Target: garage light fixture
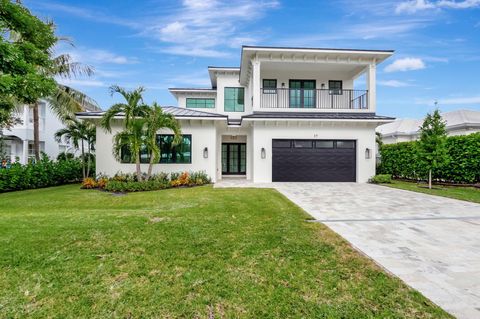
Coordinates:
[263,153]
[205,152]
[368,153]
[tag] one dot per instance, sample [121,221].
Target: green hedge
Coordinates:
[44,173]
[401,160]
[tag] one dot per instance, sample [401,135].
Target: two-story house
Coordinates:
[18,140]
[286,114]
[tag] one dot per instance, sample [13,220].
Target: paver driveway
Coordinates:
[432,243]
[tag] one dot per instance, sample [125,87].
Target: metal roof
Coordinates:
[176,111]
[317,115]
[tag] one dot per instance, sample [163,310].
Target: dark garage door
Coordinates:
[313,161]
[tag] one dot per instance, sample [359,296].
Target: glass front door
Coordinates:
[302,93]
[234,158]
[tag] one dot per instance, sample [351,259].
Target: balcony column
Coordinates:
[371,86]
[256,83]
[24,158]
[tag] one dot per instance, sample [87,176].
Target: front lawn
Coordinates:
[470,194]
[191,253]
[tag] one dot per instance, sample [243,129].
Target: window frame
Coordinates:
[235,99]
[335,91]
[199,99]
[183,136]
[269,90]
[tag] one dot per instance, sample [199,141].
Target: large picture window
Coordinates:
[234,99]
[200,103]
[169,153]
[179,154]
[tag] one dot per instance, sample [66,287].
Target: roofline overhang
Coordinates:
[180,117]
[315,119]
[375,56]
[213,70]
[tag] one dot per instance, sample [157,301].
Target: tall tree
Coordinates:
[79,133]
[156,120]
[432,144]
[24,55]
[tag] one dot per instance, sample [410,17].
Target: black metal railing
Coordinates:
[283,98]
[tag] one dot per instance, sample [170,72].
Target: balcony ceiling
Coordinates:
[306,67]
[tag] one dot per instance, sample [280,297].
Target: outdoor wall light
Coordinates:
[205,152]
[368,153]
[263,153]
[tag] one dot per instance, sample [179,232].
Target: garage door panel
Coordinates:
[312,164]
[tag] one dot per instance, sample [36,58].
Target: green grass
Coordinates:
[470,194]
[190,253]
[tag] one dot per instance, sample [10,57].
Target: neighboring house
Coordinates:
[18,141]
[286,114]
[459,122]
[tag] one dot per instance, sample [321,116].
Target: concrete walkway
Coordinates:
[432,243]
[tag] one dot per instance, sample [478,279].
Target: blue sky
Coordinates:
[160,44]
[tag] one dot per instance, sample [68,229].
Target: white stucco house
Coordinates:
[18,140]
[458,122]
[286,114]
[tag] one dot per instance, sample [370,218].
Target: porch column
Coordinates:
[256,83]
[24,157]
[371,86]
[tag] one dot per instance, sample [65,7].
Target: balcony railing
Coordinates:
[282,98]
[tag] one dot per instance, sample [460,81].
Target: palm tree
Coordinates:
[79,133]
[65,101]
[156,119]
[134,107]
[131,139]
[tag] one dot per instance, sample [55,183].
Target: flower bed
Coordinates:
[129,183]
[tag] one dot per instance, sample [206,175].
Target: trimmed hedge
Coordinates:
[402,160]
[44,173]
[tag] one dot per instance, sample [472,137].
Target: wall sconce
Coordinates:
[368,154]
[283,84]
[322,86]
[205,152]
[263,153]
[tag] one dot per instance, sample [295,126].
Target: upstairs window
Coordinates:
[234,99]
[335,87]
[200,103]
[269,86]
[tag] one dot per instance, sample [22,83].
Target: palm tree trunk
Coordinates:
[430,179]
[36,132]
[83,161]
[150,166]
[137,164]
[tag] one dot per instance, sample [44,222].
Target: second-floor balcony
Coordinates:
[325,99]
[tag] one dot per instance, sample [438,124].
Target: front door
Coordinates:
[302,93]
[234,158]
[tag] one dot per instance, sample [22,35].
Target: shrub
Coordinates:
[65,157]
[128,182]
[89,183]
[381,179]
[102,181]
[182,180]
[402,160]
[44,173]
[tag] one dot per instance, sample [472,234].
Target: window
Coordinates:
[179,154]
[281,144]
[335,87]
[302,144]
[323,144]
[201,103]
[234,99]
[345,144]
[269,86]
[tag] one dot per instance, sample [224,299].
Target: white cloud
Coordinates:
[471,100]
[393,83]
[405,64]
[200,28]
[82,82]
[413,6]
[94,56]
